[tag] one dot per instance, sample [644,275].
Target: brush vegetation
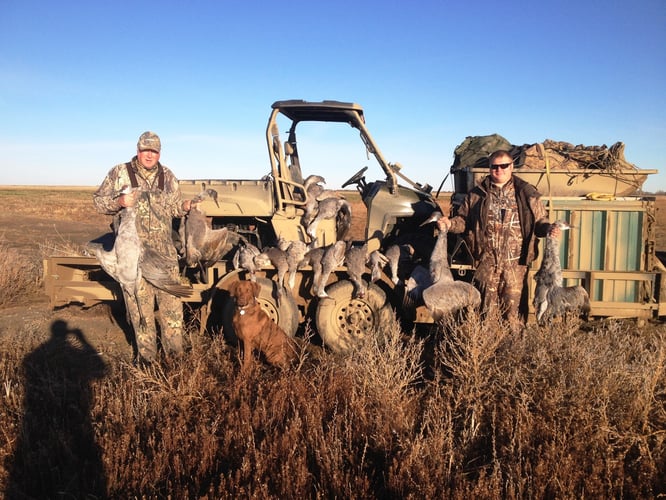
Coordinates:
[464,411]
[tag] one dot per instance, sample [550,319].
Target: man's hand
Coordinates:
[128,199]
[444,223]
[554,231]
[188,205]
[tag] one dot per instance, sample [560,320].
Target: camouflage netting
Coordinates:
[566,156]
[474,151]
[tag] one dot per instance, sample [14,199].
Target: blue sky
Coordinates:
[80,81]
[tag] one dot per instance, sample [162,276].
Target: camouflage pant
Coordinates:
[169,316]
[501,287]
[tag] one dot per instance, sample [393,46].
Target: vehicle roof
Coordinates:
[324,111]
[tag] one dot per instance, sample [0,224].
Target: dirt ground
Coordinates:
[57,221]
[36,235]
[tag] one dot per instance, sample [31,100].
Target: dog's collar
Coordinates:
[242,309]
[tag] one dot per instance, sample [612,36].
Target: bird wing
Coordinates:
[154,271]
[418,280]
[214,245]
[355,259]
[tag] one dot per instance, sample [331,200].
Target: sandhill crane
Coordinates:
[278,258]
[286,257]
[446,295]
[130,260]
[332,208]
[550,297]
[355,259]
[313,257]
[313,189]
[392,254]
[206,193]
[314,193]
[203,245]
[321,204]
[323,261]
[244,258]
[418,280]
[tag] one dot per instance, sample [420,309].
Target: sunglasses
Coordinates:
[503,166]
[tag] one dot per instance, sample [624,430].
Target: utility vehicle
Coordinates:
[263,210]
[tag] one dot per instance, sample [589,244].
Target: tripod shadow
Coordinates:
[56,453]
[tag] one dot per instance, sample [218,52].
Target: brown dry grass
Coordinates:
[559,412]
[459,411]
[20,276]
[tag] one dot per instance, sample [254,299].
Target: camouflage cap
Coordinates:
[149,140]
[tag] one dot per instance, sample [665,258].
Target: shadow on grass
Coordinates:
[56,453]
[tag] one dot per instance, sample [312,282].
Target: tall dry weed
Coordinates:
[62,247]
[567,410]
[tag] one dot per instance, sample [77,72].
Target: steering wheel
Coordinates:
[354,179]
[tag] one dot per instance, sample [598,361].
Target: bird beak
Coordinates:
[434,217]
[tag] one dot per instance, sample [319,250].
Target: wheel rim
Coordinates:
[354,317]
[343,321]
[270,309]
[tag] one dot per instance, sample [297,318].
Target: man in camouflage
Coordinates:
[156,201]
[501,219]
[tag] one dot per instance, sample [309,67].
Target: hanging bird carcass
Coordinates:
[551,298]
[445,295]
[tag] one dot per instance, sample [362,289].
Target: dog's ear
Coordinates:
[256,287]
[233,288]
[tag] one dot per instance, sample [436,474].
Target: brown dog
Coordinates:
[256,330]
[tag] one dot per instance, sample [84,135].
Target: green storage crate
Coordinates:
[610,250]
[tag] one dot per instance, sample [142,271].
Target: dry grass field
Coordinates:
[457,411]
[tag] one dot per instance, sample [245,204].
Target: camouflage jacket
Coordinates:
[473,216]
[155,207]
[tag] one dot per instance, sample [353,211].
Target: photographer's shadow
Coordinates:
[56,453]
